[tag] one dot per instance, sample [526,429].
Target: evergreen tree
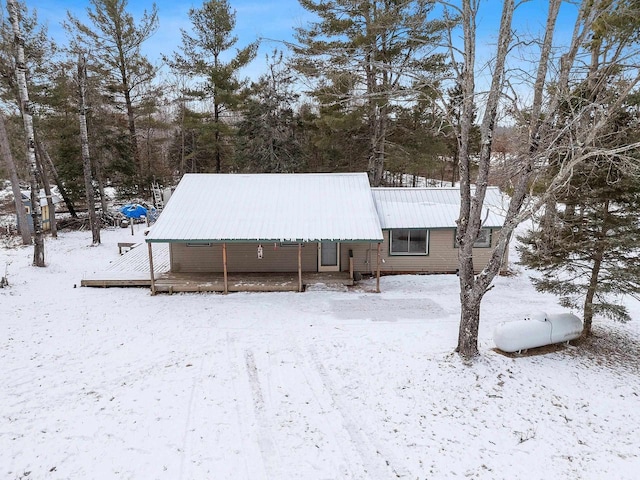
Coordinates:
[590,259]
[335,132]
[381,48]
[202,56]
[267,139]
[38,51]
[114,42]
[587,242]
[189,150]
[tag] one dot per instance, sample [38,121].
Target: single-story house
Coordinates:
[318,222]
[44,207]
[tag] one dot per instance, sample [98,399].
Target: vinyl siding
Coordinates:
[243,257]
[442,257]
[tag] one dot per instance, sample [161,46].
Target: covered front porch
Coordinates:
[283,268]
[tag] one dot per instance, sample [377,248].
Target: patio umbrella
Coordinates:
[133,210]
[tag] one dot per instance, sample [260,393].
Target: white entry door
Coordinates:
[328,256]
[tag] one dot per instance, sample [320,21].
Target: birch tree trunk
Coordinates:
[5,151]
[25,107]
[86,159]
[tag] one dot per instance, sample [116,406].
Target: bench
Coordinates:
[126,246]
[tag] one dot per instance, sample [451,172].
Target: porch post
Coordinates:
[153,280]
[378,270]
[224,267]
[299,267]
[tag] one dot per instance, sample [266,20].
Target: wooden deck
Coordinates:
[247,282]
[132,270]
[214,282]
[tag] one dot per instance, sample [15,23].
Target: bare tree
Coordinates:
[21,77]
[6,154]
[86,159]
[557,135]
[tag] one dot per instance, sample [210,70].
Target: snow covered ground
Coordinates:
[119,384]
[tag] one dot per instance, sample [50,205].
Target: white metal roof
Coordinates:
[26,195]
[269,207]
[430,207]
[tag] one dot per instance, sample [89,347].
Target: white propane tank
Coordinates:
[536,330]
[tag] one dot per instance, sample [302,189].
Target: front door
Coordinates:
[328,256]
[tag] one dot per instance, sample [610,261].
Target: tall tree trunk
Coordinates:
[131,119]
[591,290]
[469,324]
[598,256]
[86,159]
[53,227]
[100,180]
[216,123]
[42,146]
[21,75]
[5,151]
[472,290]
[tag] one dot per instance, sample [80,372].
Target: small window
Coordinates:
[406,241]
[290,244]
[191,244]
[483,241]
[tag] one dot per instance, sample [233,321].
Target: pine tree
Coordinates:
[587,241]
[381,48]
[267,134]
[115,41]
[590,258]
[202,57]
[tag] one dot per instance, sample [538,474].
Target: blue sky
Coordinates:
[274,20]
[267,19]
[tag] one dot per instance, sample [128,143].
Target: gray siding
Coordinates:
[242,257]
[442,258]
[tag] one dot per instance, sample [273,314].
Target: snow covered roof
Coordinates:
[269,207]
[26,195]
[430,207]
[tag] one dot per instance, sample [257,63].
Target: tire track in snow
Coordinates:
[265,439]
[188,430]
[377,460]
[341,436]
[280,381]
[253,468]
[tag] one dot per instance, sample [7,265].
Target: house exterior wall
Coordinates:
[242,257]
[442,257]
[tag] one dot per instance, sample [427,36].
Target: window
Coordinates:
[483,241]
[290,244]
[191,244]
[406,241]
